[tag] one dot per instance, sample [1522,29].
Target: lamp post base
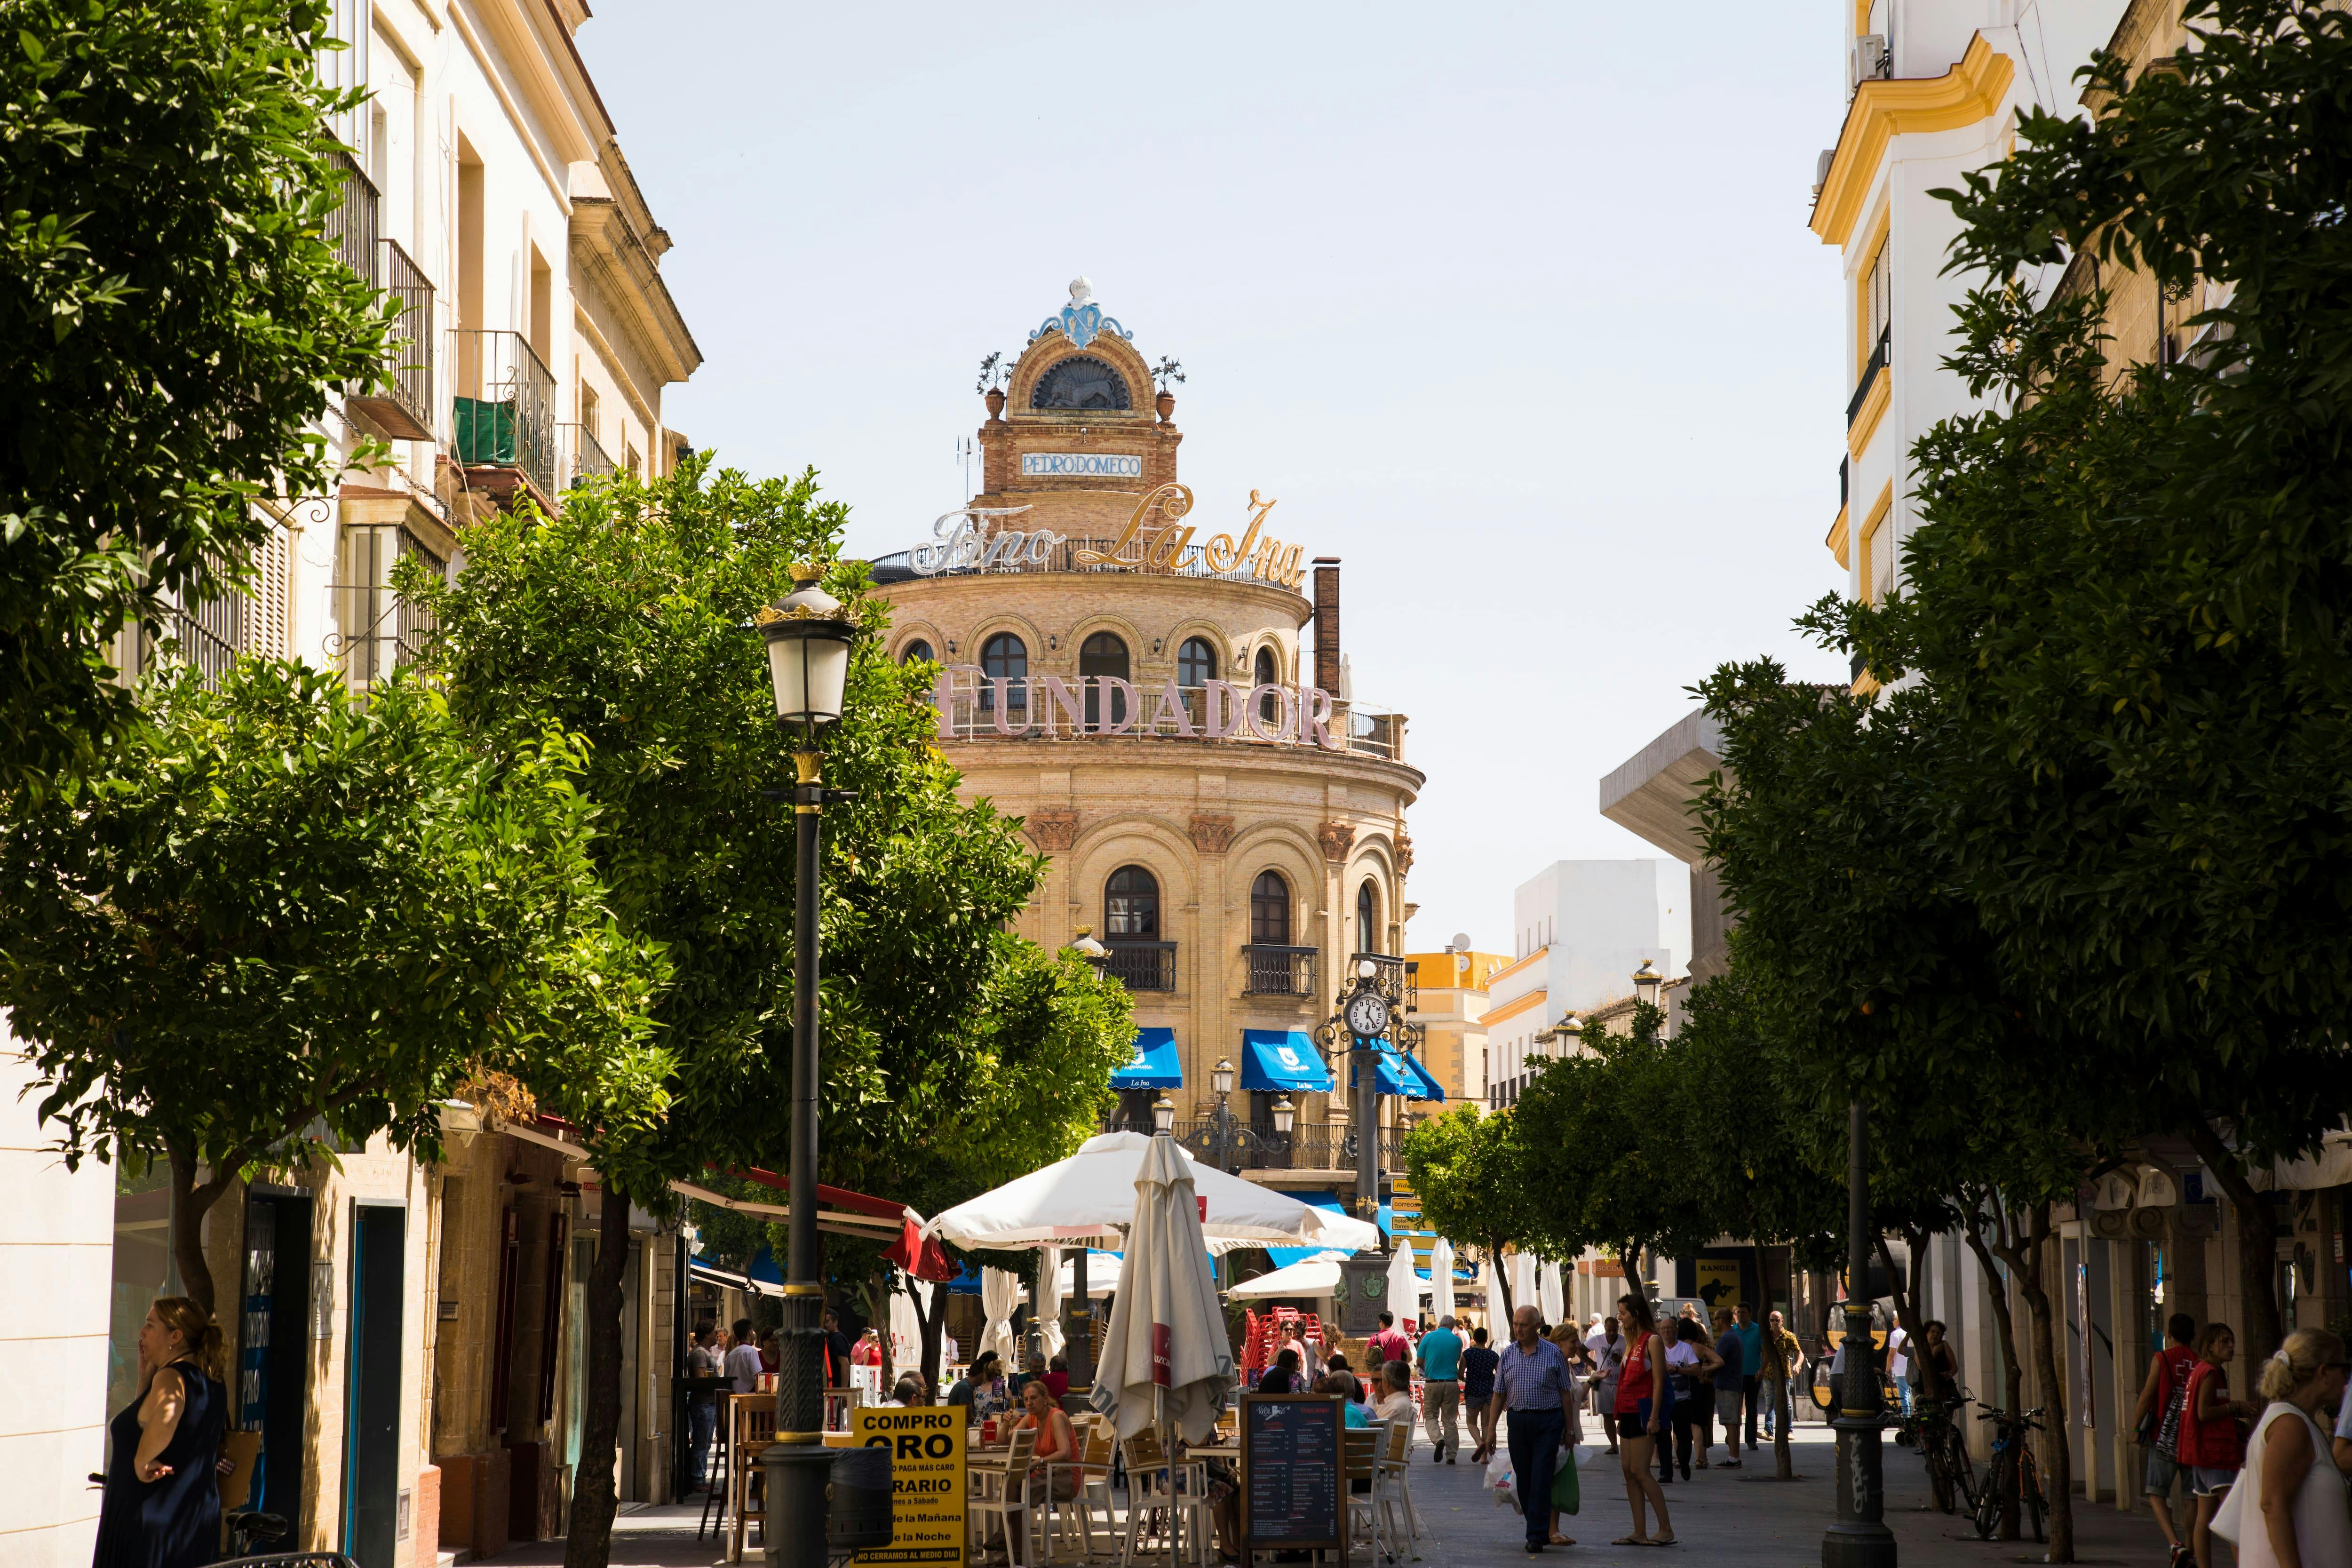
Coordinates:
[798,1475]
[1859,1538]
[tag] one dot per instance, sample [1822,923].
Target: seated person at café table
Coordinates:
[981,1390]
[1282,1377]
[1057,1376]
[909,1389]
[1396,1392]
[1341,1384]
[1056,1445]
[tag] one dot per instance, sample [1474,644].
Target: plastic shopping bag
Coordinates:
[1564,1493]
[1499,1482]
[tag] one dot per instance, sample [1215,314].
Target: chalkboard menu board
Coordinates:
[1292,1473]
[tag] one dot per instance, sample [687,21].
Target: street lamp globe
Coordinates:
[1366,969]
[808,655]
[1163,1113]
[1284,1114]
[1221,1077]
[1090,950]
[1647,982]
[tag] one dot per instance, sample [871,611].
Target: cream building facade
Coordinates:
[1453,987]
[375,1305]
[1134,676]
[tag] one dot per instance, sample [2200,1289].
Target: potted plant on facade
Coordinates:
[1166,371]
[996,374]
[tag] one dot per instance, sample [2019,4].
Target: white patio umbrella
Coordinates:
[1049,1301]
[1000,1293]
[1166,1358]
[1550,1296]
[1440,1280]
[1523,1281]
[1315,1276]
[1092,1195]
[1102,1274]
[1404,1285]
[1490,1284]
[907,1327]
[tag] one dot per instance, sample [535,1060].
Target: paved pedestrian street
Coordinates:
[1720,1517]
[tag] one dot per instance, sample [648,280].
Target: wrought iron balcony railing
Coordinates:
[503,408]
[1143,965]
[1279,971]
[589,460]
[352,226]
[403,407]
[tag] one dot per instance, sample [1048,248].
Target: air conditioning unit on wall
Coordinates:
[1870,57]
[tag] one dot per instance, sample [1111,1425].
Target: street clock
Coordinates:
[1368,1015]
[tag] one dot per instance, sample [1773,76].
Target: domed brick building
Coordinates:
[1146,682]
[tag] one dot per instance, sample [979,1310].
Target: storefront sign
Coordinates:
[1080,465]
[926,1479]
[1052,708]
[959,545]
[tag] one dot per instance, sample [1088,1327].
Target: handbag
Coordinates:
[1565,1494]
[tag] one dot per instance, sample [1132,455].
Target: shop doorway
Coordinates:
[273,1362]
[371,1528]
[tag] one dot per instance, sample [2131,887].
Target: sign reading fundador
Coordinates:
[926,1479]
[1291,1470]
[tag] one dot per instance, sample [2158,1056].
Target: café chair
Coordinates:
[1097,1443]
[1011,1498]
[754,1419]
[1360,1460]
[1396,1484]
[1183,1489]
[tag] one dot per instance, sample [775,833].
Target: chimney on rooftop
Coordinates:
[1326,623]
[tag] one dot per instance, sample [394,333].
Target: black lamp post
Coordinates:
[1858,1537]
[809,641]
[1646,984]
[1225,1137]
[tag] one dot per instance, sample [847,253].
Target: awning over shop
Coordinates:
[749,1286]
[1404,1077]
[1283,1061]
[1155,1065]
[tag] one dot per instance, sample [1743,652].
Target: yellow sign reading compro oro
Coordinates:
[926,1479]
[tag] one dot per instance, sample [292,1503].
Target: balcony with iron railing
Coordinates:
[1394,978]
[588,460]
[1141,965]
[378,628]
[351,229]
[402,408]
[502,414]
[1273,970]
[1032,710]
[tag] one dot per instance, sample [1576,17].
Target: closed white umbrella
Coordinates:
[1404,1285]
[1440,1281]
[1093,1193]
[1490,1284]
[1049,1300]
[1549,1294]
[907,1326]
[1166,1357]
[1522,1280]
[1000,1293]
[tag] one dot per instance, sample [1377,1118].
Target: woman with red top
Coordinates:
[1057,1445]
[2209,1443]
[1639,1416]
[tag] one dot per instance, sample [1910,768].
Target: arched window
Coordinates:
[1270,911]
[914,650]
[1007,656]
[1104,654]
[1368,917]
[1131,905]
[1080,382]
[1269,707]
[1196,662]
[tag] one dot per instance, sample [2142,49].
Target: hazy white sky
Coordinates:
[1513,307]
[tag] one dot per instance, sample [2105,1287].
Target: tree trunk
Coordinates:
[1895,1280]
[2058,1457]
[933,1322]
[1783,1467]
[2012,1370]
[190,1202]
[1503,1283]
[2257,1252]
[595,1494]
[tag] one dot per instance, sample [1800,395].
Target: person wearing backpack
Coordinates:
[2209,1443]
[2162,1397]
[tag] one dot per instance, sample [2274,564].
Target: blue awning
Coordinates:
[1282,1061]
[1401,1076]
[1155,1065]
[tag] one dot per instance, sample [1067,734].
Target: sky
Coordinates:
[1512,308]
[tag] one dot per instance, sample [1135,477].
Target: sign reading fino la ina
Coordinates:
[959,545]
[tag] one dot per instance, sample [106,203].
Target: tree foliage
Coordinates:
[175,319]
[274,916]
[1471,1171]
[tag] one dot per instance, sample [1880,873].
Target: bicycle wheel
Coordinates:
[1962,1469]
[2029,1483]
[1939,1476]
[1987,1511]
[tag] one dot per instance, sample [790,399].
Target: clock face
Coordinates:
[1367,1014]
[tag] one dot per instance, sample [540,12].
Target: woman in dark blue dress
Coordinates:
[162,1498]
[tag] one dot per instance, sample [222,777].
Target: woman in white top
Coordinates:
[2288,1502]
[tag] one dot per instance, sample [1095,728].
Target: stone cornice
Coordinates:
[1884,109]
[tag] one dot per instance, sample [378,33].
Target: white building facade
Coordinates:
[1581,929]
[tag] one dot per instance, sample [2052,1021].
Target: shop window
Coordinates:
[1103,654]
[1131,905]
[1270,911]
[1196,662]
[1007,656]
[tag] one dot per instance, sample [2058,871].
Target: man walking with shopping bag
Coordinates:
[1533,1384]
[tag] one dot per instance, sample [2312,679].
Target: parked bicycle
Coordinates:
[1994,1497]
[1930,1429]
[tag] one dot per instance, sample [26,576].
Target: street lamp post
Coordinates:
[1858,1537]
[809,641]
[1646,984]
[1225,1137]
[1081,1340]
